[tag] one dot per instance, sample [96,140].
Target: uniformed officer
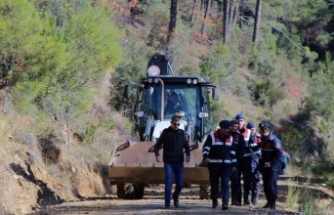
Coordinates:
[245,157]
[253,184]
[219,152]
[270,163]
[236,176]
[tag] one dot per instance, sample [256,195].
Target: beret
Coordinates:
[224,124]
[240,116]
[264,126]
[234,121]
[251,125]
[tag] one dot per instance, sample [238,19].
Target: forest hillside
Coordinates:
[64,64]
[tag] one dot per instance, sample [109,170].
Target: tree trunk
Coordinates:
[193,12]
[230,17]
[206,17]
[172,21]
[226,21]
[220,9]
[220,6]
[202,4]
[171,29]
[233,13]
[257,20]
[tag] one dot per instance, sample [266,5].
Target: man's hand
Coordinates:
[267,164]
[188,158]
[157,158]
[206,160]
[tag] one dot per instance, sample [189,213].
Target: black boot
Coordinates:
[176,200]
[246,200]
[266,205]
[225,204]
[254,199]
[235,202]
[214,203]
[273,206]
[239,198]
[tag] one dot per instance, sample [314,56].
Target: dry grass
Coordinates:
[28,175]
[293,197]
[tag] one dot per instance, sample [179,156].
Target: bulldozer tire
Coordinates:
[204,191]
[130,190]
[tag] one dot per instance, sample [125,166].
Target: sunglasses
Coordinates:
[176,124]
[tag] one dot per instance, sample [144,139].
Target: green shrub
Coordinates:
[259,89]
[322,88]
[275,95]
[217,110]
[131,69]
[89,133]
[214,65]
[109,124]
[262,58]
[322,125]
[291,137]
[329,179]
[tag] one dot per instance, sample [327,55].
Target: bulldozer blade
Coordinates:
[136,162]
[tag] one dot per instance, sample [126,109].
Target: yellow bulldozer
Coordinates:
[133,165]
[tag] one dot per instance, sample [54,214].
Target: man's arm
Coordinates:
[235,151]
[206,149]
[240,150]
[279,153]
[186,145]
[158,145]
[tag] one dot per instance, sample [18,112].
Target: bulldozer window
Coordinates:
[149,104]
[181,98]
[174,104]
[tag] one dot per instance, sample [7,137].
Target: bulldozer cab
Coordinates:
[170,96]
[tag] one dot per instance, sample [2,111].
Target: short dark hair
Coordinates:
[176,118]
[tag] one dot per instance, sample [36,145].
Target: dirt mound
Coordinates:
[27,186]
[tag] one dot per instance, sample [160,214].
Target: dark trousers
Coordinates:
[246,171]
[270,178]
[255,183]
[236,185]
[171,170]
[224,174]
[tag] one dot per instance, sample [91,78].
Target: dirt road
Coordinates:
[153,203]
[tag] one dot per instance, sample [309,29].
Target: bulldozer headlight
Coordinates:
[192,81]
[139,114]
[150,80]
[153,70]
[156,80]
[203,114]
